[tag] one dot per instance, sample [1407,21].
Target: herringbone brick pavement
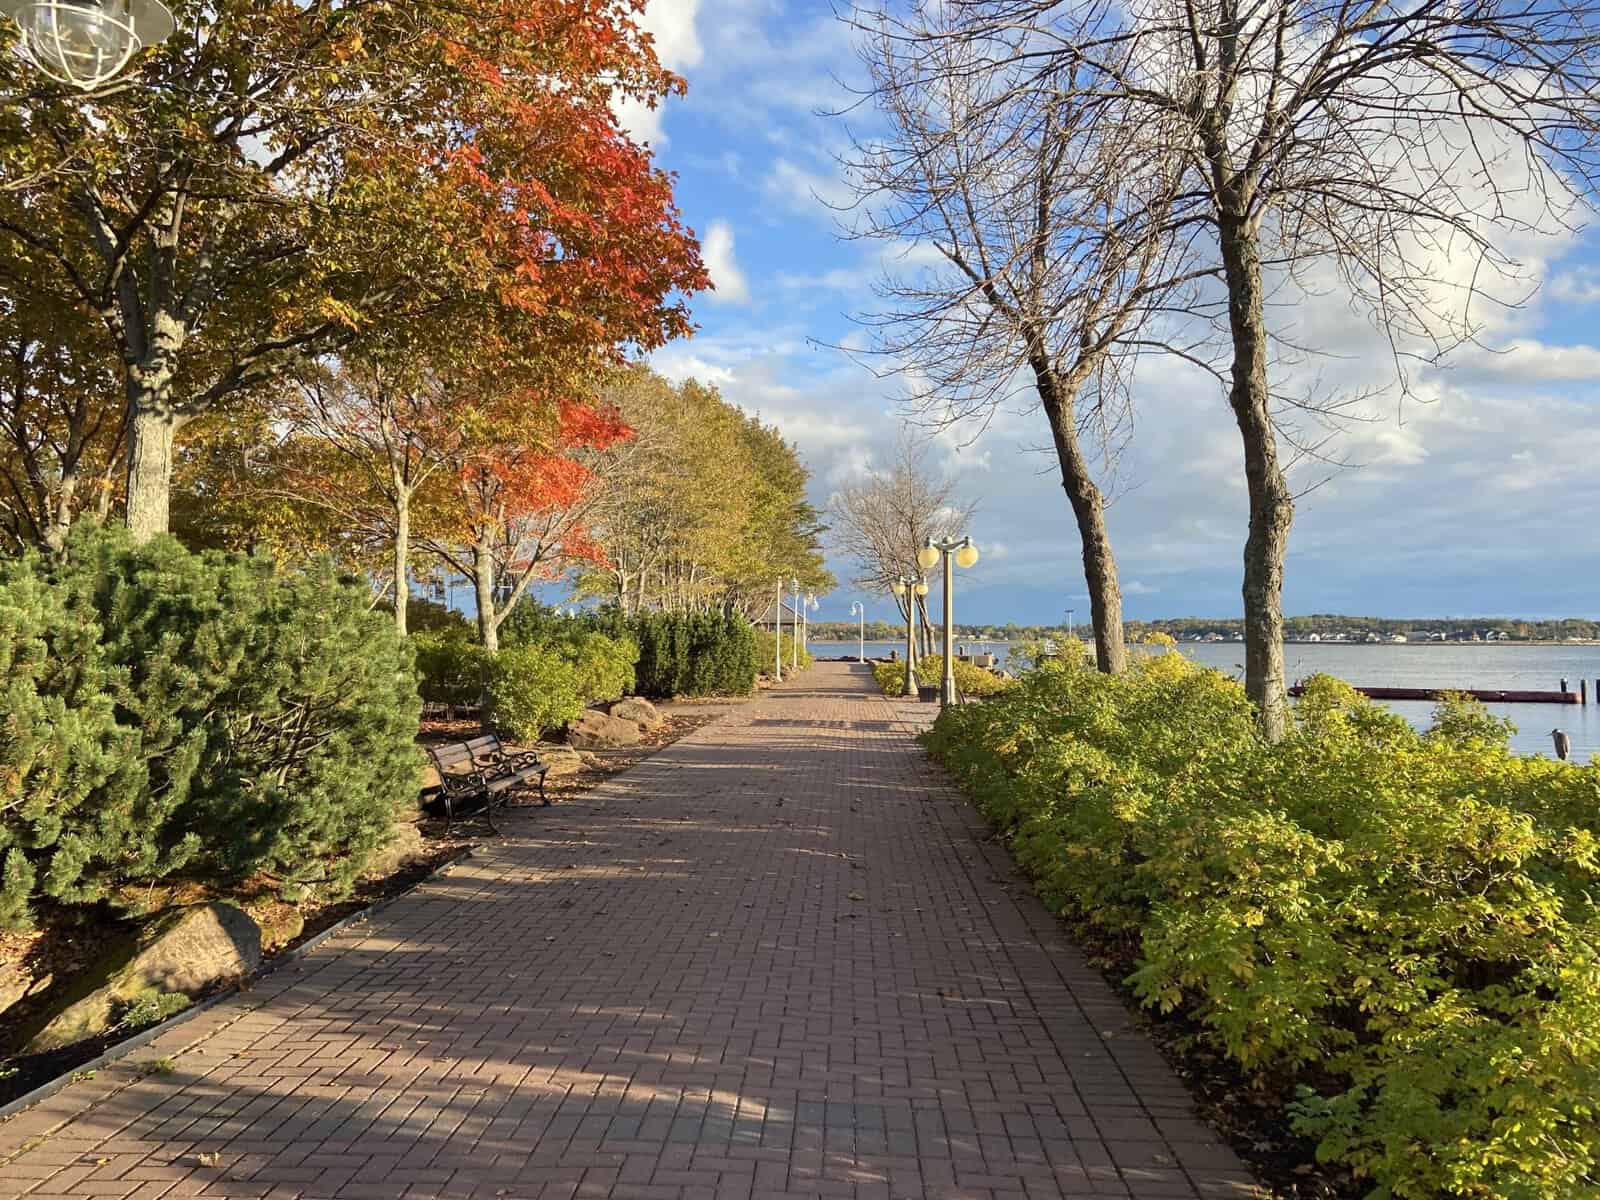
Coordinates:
[775,960]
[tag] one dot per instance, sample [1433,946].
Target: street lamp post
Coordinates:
[86,43]
[964,554]
[860,610]
[777,633]
[794,641]
[910,590]
[809,607]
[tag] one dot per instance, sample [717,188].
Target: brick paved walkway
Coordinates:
[774,960]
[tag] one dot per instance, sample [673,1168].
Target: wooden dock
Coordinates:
[1489,695]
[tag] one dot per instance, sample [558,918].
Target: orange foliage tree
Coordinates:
[518,509]
[290,179]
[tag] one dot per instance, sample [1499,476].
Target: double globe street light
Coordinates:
[910,590]
[85,43]
[964,554]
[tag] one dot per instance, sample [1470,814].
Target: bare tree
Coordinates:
[881,520]
[1398,150]
[1052,251]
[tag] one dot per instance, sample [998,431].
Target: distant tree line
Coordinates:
[1295,628]
[840,631]
[1324,624]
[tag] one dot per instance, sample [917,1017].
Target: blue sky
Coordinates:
[1475,498]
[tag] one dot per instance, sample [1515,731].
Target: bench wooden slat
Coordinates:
[450,756]
[482,768]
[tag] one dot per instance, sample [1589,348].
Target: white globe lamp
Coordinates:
[85,43]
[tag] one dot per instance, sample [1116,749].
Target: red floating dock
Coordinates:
[1490,695]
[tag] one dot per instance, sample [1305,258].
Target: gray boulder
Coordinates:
[647,716]
[562,760]
[596,730]
[181,951]
[405,844]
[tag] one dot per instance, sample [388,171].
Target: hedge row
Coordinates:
[1405,924]
[694,654]
[169,713]
[552,664]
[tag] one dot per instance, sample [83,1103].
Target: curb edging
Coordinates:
[144,1037]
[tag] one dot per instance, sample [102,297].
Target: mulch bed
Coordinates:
[70,939]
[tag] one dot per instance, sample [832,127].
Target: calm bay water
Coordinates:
[1422,665]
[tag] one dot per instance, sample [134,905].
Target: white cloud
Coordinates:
[1578,286]
[671,23]
[726,277]
[678,366]
[1530,360]
[808,193]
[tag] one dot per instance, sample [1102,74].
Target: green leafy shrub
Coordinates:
[971,679]
[534,689]
[650,654]
[766,650]
[1412,916]
[1461,718]
[204,715]
[602,667]
[451,667]
[597,656]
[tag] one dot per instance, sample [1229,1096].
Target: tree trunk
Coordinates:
[483,583]
[909,608]
[59,516]
[1271,505]
[1088,509]
[402,556]
[152,430]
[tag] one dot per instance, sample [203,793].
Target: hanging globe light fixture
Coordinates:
[85,43]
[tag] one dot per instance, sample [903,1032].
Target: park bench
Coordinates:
[479,773]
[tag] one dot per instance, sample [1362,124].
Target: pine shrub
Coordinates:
[199,714]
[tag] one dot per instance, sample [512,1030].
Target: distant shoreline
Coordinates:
[1226,642]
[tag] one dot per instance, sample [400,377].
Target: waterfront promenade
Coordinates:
[778,959]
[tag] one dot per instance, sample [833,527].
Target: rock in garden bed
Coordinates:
[595,730]
[640,711]
[179,953]
[562,760]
